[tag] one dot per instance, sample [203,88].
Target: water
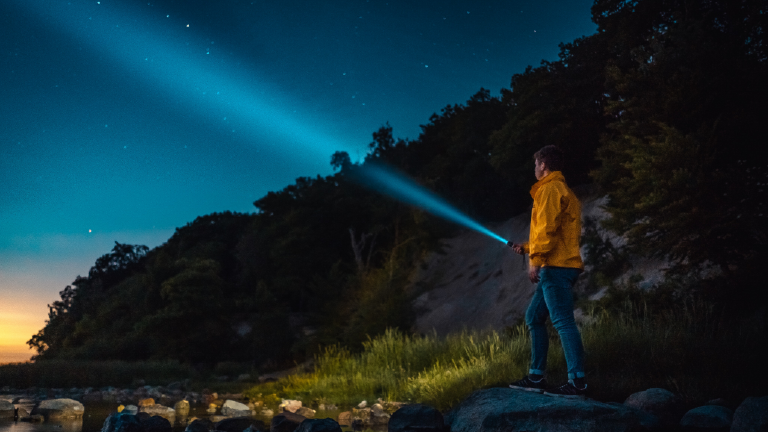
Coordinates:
[388,181]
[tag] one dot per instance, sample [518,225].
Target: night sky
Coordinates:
[121,120]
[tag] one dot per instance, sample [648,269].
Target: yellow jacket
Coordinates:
[555,224]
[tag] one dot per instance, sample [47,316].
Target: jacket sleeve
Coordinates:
[544,237]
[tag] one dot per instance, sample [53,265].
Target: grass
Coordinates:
[689,351]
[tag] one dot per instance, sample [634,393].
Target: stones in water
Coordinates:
[182,407]
[306,412]
[60,409]
[7,410]
[131,409]
[235,409]
[319,425]
[502,409]
[751,415]
[289,405]
[416,417]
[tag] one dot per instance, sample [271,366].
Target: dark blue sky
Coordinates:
[122,120]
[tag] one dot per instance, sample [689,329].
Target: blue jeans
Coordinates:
[553,298]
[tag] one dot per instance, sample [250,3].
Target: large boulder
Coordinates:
[416,417]
[286,422]
[6,409]
[751,415]
[59,409]
[660,402]
[235,409]
[503,409]
[239,424]
[319,425]
[714,417]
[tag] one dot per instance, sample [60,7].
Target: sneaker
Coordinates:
[528,384]
[567,390]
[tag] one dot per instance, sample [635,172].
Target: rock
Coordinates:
[378,415]
[159,410]
[199,425]
[21,414]
[209,397]
[306,412]
[708,417]
[285,422]
[500,409]
[56,409]
[121,422]
[267,412]
[363,415]
[416,417]
[289,405]
[345,418]
[362,404]
[751,415]
[6,409]
[239,424]
[155,424]
[182,407]
[218,418]
[235,409]
[211,409]
[244,377]
[721,402]
[659,402]
[131,409]
[146,402]
[319,425]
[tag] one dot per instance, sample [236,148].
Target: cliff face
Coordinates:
[479,283]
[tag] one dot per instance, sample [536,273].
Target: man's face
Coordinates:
[540,169]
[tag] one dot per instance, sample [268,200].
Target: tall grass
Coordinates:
[77,373]
[690,352]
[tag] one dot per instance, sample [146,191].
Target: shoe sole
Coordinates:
[529,389]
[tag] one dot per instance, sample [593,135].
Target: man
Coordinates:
[555,264]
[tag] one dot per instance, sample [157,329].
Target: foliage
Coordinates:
[684,157]
[84,373]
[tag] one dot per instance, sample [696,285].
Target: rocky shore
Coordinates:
[488,410]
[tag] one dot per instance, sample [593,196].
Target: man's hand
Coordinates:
[533,274]
[518,248]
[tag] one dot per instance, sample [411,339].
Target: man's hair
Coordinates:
[552,157]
